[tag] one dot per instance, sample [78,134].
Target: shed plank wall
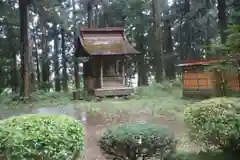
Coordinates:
[207,80]
[233,82]
[195,80]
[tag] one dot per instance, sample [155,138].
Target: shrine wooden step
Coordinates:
[113,91]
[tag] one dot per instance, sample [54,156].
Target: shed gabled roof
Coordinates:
[105,41]
[198,62]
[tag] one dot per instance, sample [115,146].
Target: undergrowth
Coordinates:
[39,97]
[159,89]
[163,95]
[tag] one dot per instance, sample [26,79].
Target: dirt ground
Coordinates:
[96,124]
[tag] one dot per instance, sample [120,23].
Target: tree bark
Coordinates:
[37,59]
[185,33]
[38,69]
[64,63]
[236,8]
[90,14]
[32,86]
[14,72]
[158,46]
[106,15]
[207,30]
[76,63]
[24,49]
[97,17]
[142,68]
[222,17]
[45,61]
[56,60]
[170,60]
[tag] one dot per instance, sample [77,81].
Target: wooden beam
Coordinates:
[101,74]
[123,73]
[117,69]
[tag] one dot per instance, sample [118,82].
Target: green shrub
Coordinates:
[215,156]
[158,89]
[153,90]
[178,82]
[135,141]
[182,154]
[186,155]
[215,124]
[42,95]
[48,137]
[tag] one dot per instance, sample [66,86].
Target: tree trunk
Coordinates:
[222,17]
[158,45]
[31,67]
[142,67]
[181,41]
[37,57]
[236,8]
[45,61]
[56,61]
[187,32]
[185,43]
[76,63]
[64,63]
[14,74]
[24,49]
[170,58]
[106,15]
[90,15]
[38,69]
[90,25]
[207,31]
[97,17]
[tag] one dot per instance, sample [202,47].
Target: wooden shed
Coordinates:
[198,80]
[108,51]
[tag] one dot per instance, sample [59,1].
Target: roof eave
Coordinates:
[107,29]
[111,54]
[186,65]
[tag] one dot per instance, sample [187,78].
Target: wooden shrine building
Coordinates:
[107,50]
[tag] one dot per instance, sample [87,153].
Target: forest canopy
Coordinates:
[37,37]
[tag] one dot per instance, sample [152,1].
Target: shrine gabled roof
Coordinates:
[105,41]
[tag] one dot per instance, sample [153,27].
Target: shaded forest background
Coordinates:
[37,38]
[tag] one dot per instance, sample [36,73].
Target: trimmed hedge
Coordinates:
[48,137]
[135,141]
[215,123]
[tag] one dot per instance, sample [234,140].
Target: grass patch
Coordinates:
[164,95]
[38,99]
[153,99]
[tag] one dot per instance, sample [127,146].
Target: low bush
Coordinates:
[42,95]
[215,123]
[55,137]
[183,154]
[187,155]
[215,156]
[158,89]
[134,141]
